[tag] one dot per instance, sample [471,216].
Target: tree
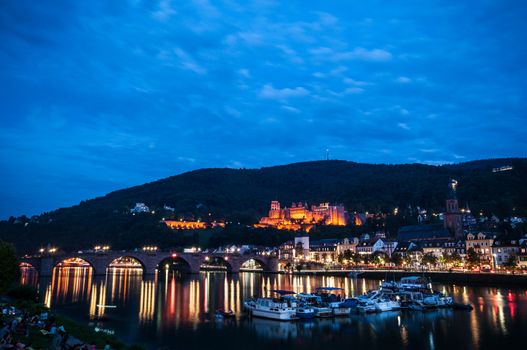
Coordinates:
[397,259]
[453,259]
[511,262]
[408,260]
[473,258]
[9,266]
[379,258]
[429,259]
[298,267]
[356,258]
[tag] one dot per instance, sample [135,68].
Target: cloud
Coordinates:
[356,82]
[269,92]
[354,90]
[165,11]
[403,126]
[244,72]
[291,109]
[186,62]
[360,54]
[403,80]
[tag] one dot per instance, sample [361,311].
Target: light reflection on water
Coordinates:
[161,304]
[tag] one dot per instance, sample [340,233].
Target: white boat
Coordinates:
[249,304]
[385,304]
[275,310]
[305,312]
[366,306]
[338,310]
[414,283]
[329,298]
[315,302]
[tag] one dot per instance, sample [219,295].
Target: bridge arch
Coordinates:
[262,262]
[128,261]
[215,262]
[176,262]
[73,261]
[26,265]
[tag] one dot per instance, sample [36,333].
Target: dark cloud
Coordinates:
[101,95]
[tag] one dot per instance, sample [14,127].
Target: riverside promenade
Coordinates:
[454,276]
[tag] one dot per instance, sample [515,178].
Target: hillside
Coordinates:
[244,194]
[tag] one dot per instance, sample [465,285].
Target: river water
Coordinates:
[170,310]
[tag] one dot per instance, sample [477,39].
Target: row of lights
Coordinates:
[101,247]
[149,248]
[49,250]
[233,250]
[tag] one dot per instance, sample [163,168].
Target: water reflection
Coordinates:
[168,301]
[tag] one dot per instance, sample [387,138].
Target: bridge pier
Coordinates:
[46,266]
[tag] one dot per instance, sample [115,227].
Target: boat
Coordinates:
[416,305]
[315,302]
[414,283]
[282,308]
[366,306]
[334,302]
[350,302]
[272,309]
[305,312]
[386,304]
[249,304]
[391,286]
[222,314]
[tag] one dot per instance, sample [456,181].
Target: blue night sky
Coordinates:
[100,95]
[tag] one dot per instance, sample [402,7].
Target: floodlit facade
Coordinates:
[302,217]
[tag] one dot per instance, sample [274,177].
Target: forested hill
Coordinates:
[244,195]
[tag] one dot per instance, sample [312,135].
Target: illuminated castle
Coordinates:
[300,216]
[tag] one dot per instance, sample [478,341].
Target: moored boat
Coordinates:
[272,309]
[315,302]
[305,312]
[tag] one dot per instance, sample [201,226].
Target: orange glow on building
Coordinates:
[300,217]
[192,225]
[358,221]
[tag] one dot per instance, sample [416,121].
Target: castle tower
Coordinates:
[274,212]
[453,217]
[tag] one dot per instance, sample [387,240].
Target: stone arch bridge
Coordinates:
[150,261]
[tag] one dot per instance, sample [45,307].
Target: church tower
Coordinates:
[453,217]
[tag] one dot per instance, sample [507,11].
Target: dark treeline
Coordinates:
[243,195]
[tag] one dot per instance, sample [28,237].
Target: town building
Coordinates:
[503,251]
[368,247]
[347,244]
[192,224]
[301,250]
[443,248]
[323,251]
[389,246]
[405,249]
[286,251]
[522,255]
[481,243]
[140,208]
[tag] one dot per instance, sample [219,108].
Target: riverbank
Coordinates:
[453,277]
[29,325]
